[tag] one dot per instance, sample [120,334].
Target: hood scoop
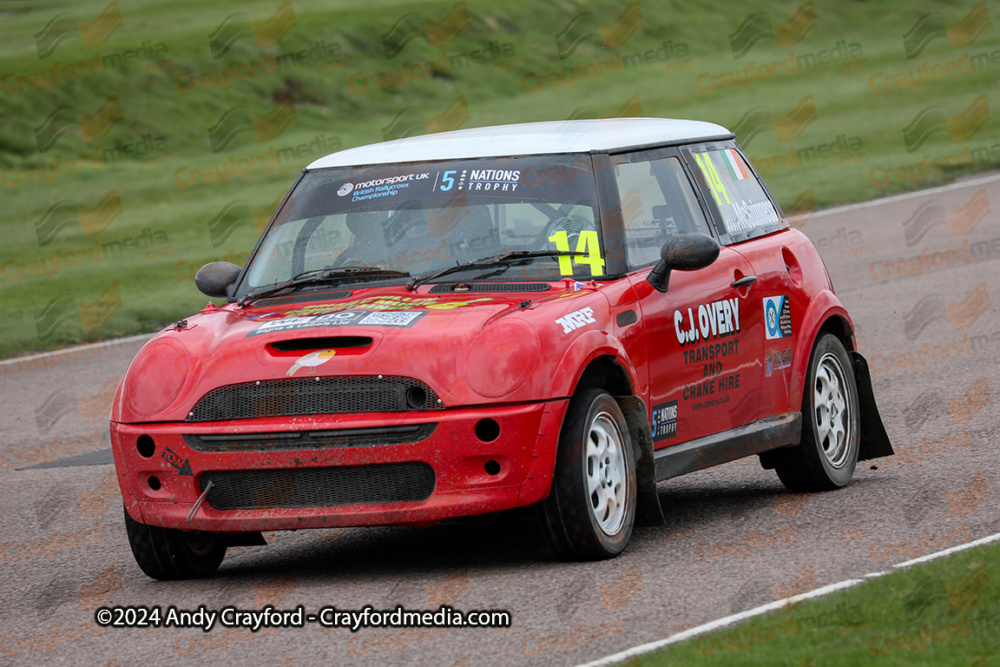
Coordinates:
[297,345]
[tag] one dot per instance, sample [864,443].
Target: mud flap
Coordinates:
[874,440]
[648,510]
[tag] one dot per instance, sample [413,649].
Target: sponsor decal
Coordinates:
[174,460]
[382,187]
[478,180]
[777,317]
[345,318]
[345,189]
[383,303]
[712,351]
[717,319]
[664,423]
[311,360]
[710,387]
[576,319]
[389,319]
[494,179]
[776,360]
[740,211]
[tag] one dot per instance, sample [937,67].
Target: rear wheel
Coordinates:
[590,511]
[831,428]
[165,553]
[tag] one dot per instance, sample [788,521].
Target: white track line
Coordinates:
[72,351]
[948,552]
[772,606]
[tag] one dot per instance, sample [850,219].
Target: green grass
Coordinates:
[151,280]
[886,621]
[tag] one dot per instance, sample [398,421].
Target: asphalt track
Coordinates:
[734,539]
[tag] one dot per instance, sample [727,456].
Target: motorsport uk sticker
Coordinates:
[357,318]
[777,317]
[664,424]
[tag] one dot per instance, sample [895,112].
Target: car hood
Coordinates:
[470,348]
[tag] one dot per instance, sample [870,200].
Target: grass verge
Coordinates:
[944,612]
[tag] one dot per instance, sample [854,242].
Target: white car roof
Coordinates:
[568,136]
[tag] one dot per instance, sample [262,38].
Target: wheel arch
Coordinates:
[841,328]
[825,314]
[606,372]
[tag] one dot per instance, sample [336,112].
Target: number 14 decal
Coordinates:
[712,176]
[589,252]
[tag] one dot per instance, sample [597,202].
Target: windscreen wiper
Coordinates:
[487,262]
[319,276]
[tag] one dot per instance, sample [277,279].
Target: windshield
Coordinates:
[420,218]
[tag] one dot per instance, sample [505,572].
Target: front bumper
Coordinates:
[470,476]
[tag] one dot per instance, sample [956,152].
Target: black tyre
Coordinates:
[831,423]
[590,511]
[165,554]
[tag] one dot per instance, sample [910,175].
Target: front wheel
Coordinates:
[165,553]
[831,424]
[590,511]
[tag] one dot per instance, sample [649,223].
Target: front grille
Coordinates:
[319,487]
[314,396]
[345,437]
[492,287]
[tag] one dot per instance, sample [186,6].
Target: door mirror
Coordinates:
[684,252]
[216,279]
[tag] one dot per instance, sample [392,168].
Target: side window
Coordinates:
[742,202]
[657,203]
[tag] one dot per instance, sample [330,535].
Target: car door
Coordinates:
[701,354]
[750,222]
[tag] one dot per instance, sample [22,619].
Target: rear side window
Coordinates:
[657,203]
[743,205]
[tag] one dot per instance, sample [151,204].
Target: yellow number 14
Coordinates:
[588,250]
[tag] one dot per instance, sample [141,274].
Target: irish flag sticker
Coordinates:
[735,165]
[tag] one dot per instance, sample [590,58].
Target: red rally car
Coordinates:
[549,314]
